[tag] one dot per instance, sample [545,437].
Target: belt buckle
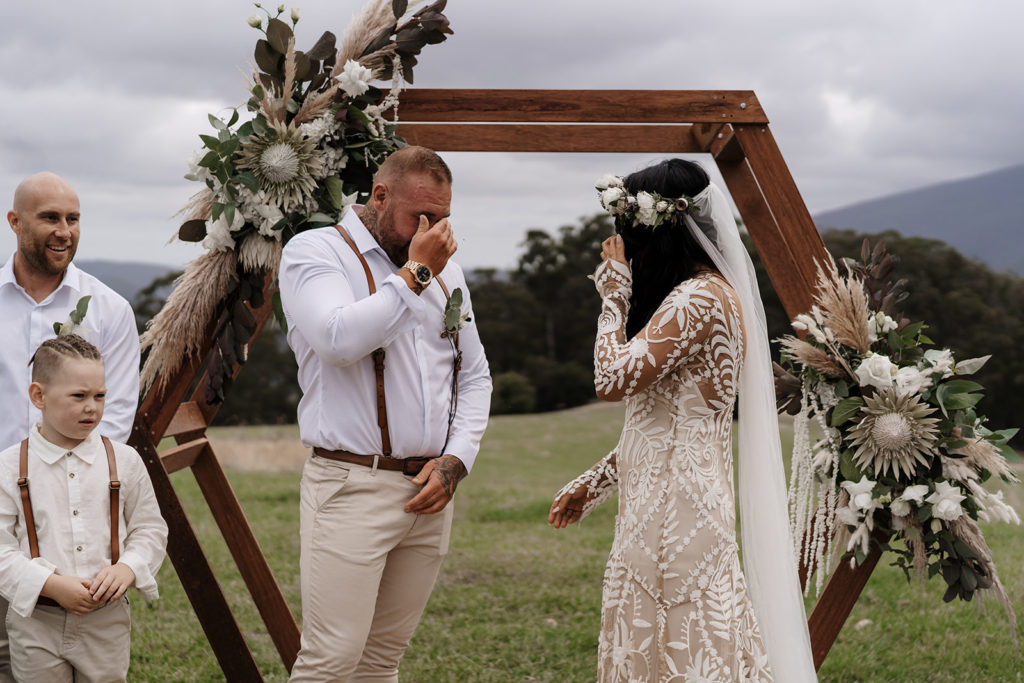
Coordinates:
[407,462]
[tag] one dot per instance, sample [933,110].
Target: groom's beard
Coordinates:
[381,226]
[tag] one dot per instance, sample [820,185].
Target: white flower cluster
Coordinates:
[945,501]
[877,370]
[354,78]
[646,208]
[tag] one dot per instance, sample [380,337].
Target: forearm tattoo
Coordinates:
[449,471]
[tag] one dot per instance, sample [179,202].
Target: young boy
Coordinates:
[65,560]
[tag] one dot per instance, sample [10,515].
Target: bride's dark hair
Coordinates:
[661,258]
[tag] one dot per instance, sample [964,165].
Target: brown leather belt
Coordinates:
[409,466]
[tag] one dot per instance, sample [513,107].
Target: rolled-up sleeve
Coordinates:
[319,299]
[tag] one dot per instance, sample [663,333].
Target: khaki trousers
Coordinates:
[55,646]
[367,569]
[5,653]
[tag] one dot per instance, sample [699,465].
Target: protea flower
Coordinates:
[895,434]
[285,162]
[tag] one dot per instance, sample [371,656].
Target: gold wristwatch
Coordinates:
[420,273]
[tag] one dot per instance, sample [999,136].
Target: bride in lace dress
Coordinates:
[679,321]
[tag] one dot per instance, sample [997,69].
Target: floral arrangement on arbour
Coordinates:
[899,453]
[314,133]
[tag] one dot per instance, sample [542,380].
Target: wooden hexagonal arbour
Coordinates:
[728,125]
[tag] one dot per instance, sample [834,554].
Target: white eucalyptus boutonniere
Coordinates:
[454,318]
[73,325]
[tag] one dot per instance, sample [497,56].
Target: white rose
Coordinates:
[354,78]
[946,501]
[269,216]
[608,180]
[936,526]
[884,324]
[876,370]
[900,507]
[295,15]
[610,196]
[255,21]
[910,381]
[645,208]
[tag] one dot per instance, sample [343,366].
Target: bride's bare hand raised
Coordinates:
[614,248]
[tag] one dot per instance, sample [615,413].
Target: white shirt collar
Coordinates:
[72,277]
[50,452]
[359,233]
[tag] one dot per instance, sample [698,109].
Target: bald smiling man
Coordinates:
[40,286]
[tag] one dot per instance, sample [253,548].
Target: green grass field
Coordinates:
[518,601]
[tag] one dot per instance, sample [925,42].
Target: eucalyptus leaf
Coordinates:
[249,180]
[216,123]
[971,365]
[210,142]
[335,191]
[279,315]
[192,231]
[1008,453]
[323,48]
[278,35]
[234,118]
[847,468]
[453,311]
[78,315]
[267,59]
[846,409]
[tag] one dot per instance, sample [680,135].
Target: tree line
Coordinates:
[538,322]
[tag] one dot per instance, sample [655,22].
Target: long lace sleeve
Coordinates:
[675,332]
[597,484]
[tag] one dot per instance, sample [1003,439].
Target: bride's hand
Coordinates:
[614,248]
[568,508]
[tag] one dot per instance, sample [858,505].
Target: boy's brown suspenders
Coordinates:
[378,354]
[26,500]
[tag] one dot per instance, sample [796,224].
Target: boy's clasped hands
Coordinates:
[81,596]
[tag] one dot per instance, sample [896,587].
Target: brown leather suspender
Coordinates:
[26,500]
[378,354]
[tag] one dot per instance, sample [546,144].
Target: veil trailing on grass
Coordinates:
[768,562]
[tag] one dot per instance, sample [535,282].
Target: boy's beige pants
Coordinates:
[55,646]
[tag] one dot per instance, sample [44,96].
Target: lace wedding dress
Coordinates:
[675,605]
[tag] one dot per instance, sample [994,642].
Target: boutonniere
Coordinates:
[73,325]
[454,318]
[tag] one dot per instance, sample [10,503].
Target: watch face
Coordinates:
[422,274]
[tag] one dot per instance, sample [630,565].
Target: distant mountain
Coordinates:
[982,217]
[124,277]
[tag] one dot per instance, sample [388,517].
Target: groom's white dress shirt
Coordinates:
[109,324]
[333,326]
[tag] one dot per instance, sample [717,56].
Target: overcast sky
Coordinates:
[865,98]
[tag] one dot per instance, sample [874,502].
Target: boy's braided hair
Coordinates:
[52,352]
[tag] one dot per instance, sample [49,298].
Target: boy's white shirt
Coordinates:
[70,492]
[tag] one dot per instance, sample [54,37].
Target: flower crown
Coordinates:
[649,209]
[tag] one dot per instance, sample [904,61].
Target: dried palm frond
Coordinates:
[373,22]
[198,206]
[845,306]
[915,541]
[966,529]
[315,106]
[289,78]
[813,357]
[177,331]
[982,455]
